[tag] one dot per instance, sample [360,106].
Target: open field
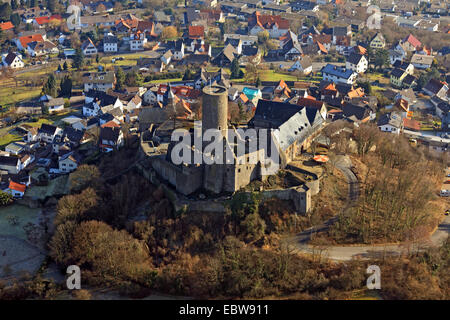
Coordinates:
[23,215]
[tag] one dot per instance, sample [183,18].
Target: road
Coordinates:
[344,164]
[346,253]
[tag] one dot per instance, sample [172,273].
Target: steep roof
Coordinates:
[413,41]
[17,186]
[196,31]
[25,40]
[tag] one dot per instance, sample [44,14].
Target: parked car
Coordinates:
[445,193]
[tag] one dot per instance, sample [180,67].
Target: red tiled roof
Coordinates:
[6,25]
[44,20]
[24,41]
[17,186]
[413,41]
[411,124]
[267,21]
[110,124]
[196,31]
[309,102]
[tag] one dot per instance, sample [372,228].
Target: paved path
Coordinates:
[345,253]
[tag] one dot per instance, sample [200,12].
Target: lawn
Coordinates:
[23,215]
[165,80]
[8,138]
[271,75]
[57,186]
[13,95]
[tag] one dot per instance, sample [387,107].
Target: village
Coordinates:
[79,86]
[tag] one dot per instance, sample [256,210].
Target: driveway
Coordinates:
[346,253]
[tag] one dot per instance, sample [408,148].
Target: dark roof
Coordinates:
[10,58]
[72,134]
[274,113]
[358,111]
[354,58]
[110,134]
[47,129]
[8,161]
[397,72]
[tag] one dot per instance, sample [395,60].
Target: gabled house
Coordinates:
[137,41]
[48,133]
[411,43]
[177,49]
[196,32]
[13,61]
[69,162]
[226,56]
[357,62]
[275,25]
[10,164]
[110,43]
[378,41]
[422,61]
[41,48]
[110,139]
[101,81]
[333,73]
[390,122]
[437,88]
[54,105]
[88,47]
[17,190]
[304,65]
[397,76]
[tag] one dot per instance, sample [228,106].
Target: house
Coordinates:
[88,47]
[390,122]
[304,65]
[13,61]
[411,42]
[43,21]
[437,88]
[378,41]
[407,95]
[110,139]
[397,76]
[411,124]
[421,61]
[69,162]
[22,42]
[15,148]
[357,62]
[32,135]
[134,103]
[226,56]
[245,39]
[333,73]
[17,190]
[49,133]
[177,49]
[54,105]
[102,81]
[291,48]
[167,57]
[341,32]
[10,164]
[275,25]
[196,32]
[304,6]
[41,48]
[395,55]
[110,43]
[137,41]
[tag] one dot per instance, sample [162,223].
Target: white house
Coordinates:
[137,41]
[68,162]
[357,63]
[304,65]
[390,122]
[55,105]
[336,74]
[13,61]
[89,48]
[110,43]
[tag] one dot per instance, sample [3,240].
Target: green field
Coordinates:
[10,95]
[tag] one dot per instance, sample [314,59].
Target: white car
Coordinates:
[444,193]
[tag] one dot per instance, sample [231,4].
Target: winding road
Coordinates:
[345,253]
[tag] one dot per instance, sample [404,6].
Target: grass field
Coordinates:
[23,215]
[14,95]
[271,75]
[56,186]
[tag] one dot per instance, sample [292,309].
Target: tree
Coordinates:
[50,86]
[258,82]
[169,32]
[15,19]
[85,176]
[76,207]
[235,70]
[59,68]
[5,198]
[65,66]
[381,58]
[66,87]
[51,5]
[14,4]
[78,59]
[120,79]
[5,11]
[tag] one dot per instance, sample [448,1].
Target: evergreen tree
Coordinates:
[14,4]
[235,70]
[97,58]
[50,86]
[59,68]
[258,82]
[66,87]
[15,19]
[65,66]
[120,79]
[78,59]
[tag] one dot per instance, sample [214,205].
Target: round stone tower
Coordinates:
[215,109]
